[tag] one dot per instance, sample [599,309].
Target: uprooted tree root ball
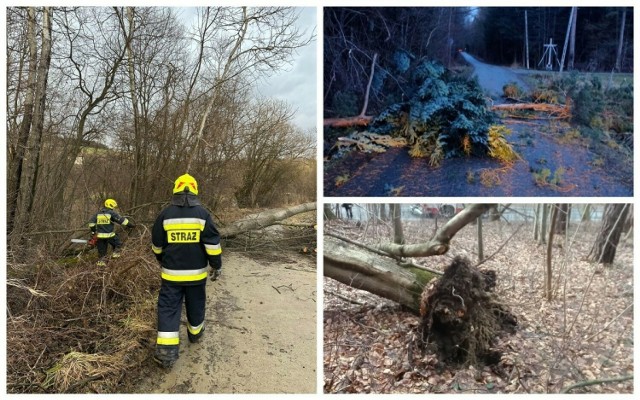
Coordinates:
[461,316]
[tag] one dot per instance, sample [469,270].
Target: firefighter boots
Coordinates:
[195,338]
[166,356]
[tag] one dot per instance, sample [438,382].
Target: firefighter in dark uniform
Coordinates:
[184,240]
[101,225]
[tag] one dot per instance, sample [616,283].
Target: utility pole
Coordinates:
[621,41]
[526,38]
[549,52]
[566,38]
[572,41]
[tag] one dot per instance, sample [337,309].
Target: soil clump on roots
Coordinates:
[461,316]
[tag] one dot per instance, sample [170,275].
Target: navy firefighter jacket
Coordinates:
[102,223]
[184,240]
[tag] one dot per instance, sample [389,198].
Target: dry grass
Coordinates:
[73,327]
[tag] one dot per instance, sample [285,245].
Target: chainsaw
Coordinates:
[91,242]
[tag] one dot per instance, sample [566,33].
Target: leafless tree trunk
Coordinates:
[328,212]
[398,235]
[264,219]
[561,224]
[382,208]
[586,213]
[548,289]
[17,164]
[536,223]
[138,168]
[605,245]
[480,242]
[22,193]
[543,225]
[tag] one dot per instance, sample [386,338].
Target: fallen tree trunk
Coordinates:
[263,219]
[557,110]
[363,269]
[347,121]
[382,276]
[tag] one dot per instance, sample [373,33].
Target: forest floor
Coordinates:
[585,333]
[582,166]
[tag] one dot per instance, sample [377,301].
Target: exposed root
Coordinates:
[461,316]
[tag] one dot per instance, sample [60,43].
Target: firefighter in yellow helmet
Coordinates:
[186,242]
[101,226]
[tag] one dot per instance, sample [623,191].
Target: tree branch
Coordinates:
[596,382]
[440,243]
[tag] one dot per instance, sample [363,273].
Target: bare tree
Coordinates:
[25,167]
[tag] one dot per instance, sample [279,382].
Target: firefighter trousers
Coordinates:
[170,308]
[103,245]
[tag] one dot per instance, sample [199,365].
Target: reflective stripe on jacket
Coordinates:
[102,223]
[185,240]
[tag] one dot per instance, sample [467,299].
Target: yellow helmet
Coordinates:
[110,203]
[185,182]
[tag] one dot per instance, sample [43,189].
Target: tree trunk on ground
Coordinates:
[382,276]
[263,219]
[368,269]
[605,245]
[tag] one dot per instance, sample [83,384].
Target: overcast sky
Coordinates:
[296,84]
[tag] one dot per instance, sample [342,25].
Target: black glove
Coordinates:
[130,225]
[215,274]
[215,261]
[158,257]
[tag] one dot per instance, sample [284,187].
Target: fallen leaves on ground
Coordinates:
[584,333]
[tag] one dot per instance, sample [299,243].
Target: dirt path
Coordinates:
[492,77]
[260,332]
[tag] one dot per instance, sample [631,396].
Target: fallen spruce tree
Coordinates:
[460,314]
[443,116]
